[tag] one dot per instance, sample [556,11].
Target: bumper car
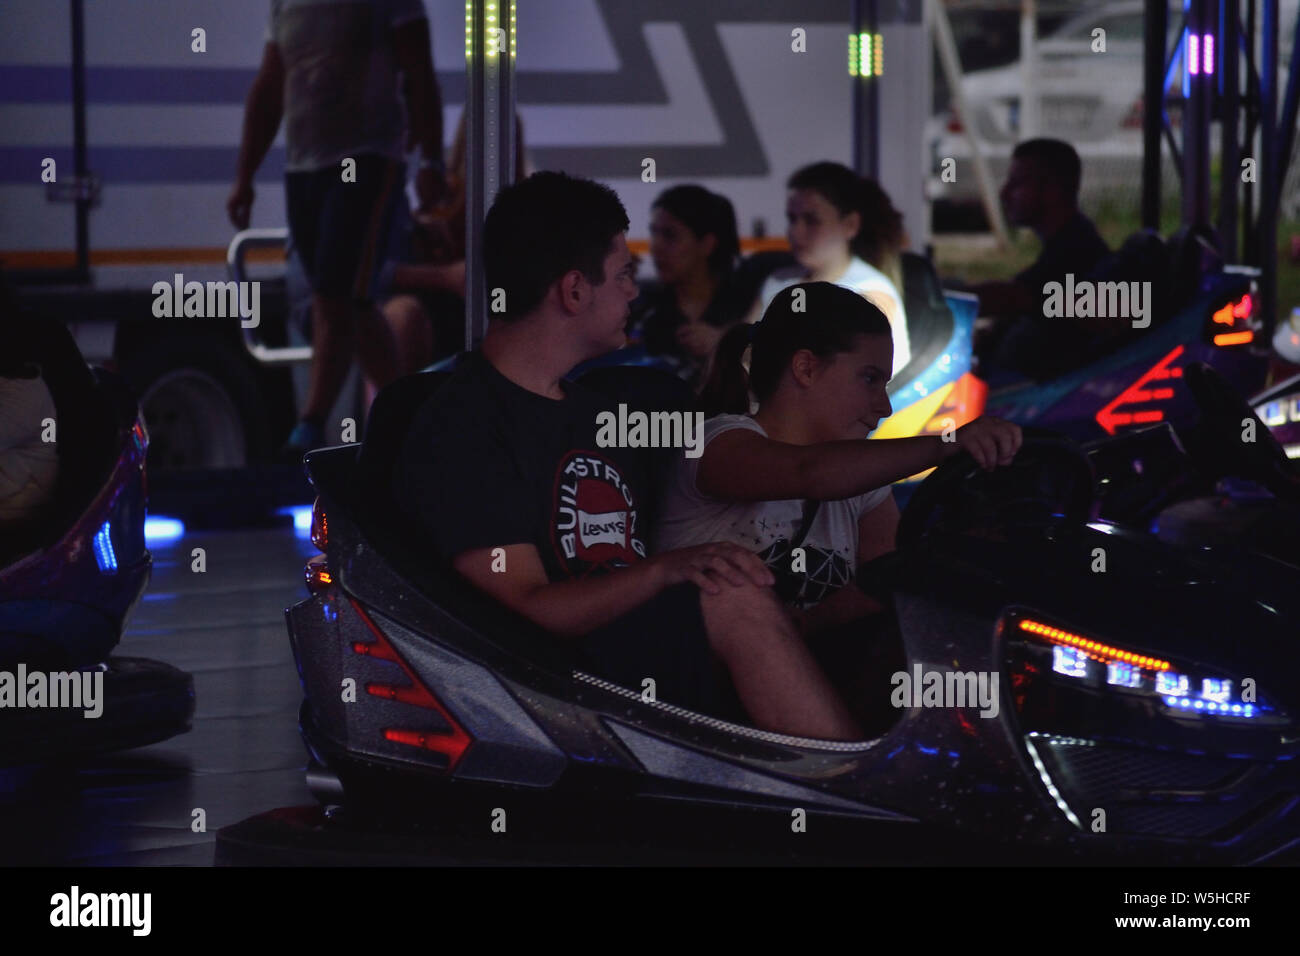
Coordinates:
[72,572]
[1201,311]
[1126,691]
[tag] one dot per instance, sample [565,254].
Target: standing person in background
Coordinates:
[843,229]
[694,243]
[331,68]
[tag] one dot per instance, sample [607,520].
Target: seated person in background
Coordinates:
[427,313]
[843,229]
[1042,192]
[502,471]
[694,243]
[796,473]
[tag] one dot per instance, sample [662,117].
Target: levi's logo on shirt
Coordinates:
[594,515]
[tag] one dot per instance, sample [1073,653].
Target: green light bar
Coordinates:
[866,54]
[492,25]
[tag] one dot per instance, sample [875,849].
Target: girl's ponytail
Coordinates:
[726,392]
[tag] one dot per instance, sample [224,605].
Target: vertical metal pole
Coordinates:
[1230,171]
[1196,119]
[948,59]
[1267,227]
[489,138]
[1290,104]
[1153,101]
[1030,96]
[1249,190]
[866,90]
[79,138]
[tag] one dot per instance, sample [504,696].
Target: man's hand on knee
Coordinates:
[713,566]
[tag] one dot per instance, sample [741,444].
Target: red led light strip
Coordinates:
[1110,420]
[451,744]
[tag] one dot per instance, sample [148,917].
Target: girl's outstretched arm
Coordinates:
[743,465]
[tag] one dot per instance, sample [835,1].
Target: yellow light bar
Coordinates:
[1095,649]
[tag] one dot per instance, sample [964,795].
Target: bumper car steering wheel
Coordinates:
[1050,481]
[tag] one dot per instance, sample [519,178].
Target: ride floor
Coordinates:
[243,756]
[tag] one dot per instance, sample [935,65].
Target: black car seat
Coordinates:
[86,423]
[1142,258]
[1193,253]
[930,322]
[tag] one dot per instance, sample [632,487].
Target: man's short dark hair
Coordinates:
[1055,160]
[543,227]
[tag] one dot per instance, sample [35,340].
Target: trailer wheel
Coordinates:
[201,402]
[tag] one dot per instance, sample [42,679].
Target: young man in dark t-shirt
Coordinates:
[1042,192]
[503,472]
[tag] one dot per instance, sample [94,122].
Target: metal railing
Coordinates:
[236,255]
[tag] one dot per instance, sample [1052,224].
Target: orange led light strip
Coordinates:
[1102,652]
[1234,338]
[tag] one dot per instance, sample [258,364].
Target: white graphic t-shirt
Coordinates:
[341,95]
[688,517]
[865,279]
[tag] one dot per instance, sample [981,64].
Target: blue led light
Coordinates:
[1171,682]
[159,530]
[1123,674]
[1069,661]
[301,515]
[1218,690]
[1209,706]
[104,555]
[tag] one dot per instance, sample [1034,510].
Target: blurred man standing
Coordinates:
[331,68]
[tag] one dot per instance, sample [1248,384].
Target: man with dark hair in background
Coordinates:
[502,472]
[331,68]
[1041,192]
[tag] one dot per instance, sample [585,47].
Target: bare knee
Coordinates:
[741,615]
[403,310]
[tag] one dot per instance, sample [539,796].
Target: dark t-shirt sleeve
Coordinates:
[459,481]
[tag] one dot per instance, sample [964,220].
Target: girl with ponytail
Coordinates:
[843,229]
[796,473]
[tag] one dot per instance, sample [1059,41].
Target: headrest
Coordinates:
[390,419]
